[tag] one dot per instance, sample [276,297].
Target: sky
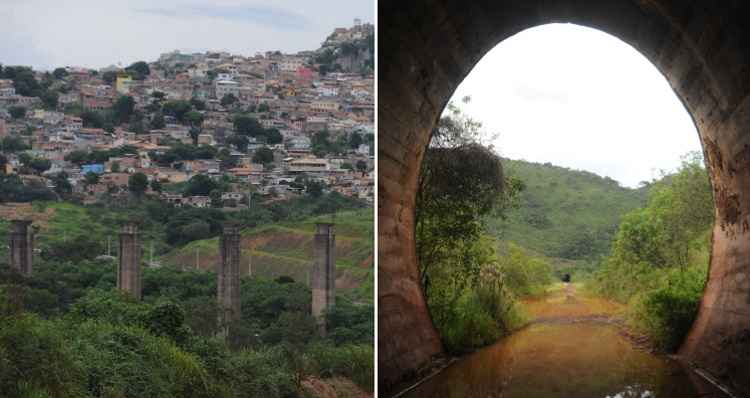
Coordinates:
[579,98]
[96,33]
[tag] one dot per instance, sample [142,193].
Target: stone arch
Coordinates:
[426,48]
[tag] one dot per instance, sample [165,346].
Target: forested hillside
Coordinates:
[564,213]
[68,332]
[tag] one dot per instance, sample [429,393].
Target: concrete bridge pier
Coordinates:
[229,277]
[22,247]
[129,267]
[324,274]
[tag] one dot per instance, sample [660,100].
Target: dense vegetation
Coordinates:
[488,235]
[659,258]
[470,280]
[68,333]
[568,215]
[79,337]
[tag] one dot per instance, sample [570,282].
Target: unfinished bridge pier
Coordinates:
[129,266]
[229,276]
[323,273]
[22,246]
[427,48]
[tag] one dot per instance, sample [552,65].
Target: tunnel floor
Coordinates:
[574,346]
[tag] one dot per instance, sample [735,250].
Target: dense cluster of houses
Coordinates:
[285,92]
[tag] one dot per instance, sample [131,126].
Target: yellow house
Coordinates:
[123,83]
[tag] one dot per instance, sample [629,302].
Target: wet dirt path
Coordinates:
[574,346]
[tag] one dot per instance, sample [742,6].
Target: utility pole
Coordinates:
[109,245]
[197,257]
[250,263]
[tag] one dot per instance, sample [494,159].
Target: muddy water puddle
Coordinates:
[581,357]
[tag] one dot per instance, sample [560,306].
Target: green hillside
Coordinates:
[286,249]
[272,249]
[565,214]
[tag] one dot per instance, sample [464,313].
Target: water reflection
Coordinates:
[561,359]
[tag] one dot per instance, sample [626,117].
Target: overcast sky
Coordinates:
[579,98]
[98,33]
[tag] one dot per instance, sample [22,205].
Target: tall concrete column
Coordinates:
[129,268]
[229,275]
[22,247]
[324,273]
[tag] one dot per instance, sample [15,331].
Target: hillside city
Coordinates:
[209,129]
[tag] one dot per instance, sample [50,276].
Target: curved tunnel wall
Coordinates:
[426,48]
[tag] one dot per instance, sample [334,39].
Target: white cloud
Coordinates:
[96,33]
[579,98]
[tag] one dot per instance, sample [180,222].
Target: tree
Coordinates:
[263,108]
[49,99]
[137,184]
[679,212]
[140,70]
[314,188]
[321,144]
[194,118]
[38,165]
[74,109]
[157,122]
[136,126]
[24,81]
[12,144]
[361,166]
[263,155]
[17,112]
[198,104]
[62,185]
[91,178]
[215,196]
[123,108]
[60,73]
[200,184]
[355,140]
[246,125]
[273,137]
[156,185]
[158,95]
[178,109]
[194,133]
[228,100]
[460,182]
[109,77]
[239,141]
[92,118]
[115,168]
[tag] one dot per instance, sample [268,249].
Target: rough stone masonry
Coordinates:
[229,275]
[324,273]
[129,267]
[22,247]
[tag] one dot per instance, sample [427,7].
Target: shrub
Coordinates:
[667,312]
[355,361]
[261,373]
[36,361]
[129,361]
